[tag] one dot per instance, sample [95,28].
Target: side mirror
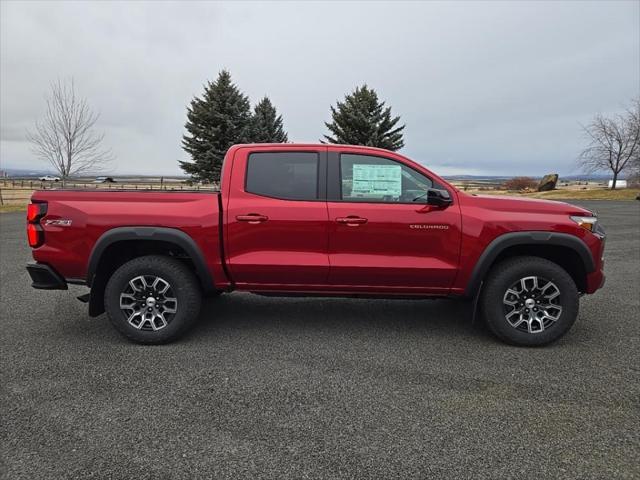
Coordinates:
[438,198]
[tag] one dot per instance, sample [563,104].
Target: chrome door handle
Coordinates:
[252,218]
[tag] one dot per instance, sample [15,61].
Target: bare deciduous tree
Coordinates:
[65,136]
[634,118]
[614,143]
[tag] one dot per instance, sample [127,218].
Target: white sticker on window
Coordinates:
[377,180]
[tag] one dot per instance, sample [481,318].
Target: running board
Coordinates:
[369,296]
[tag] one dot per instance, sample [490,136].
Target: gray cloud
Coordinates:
[484,87]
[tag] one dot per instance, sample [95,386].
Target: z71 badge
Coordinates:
[58,223]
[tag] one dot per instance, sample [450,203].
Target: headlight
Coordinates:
[588,223]
[591,224]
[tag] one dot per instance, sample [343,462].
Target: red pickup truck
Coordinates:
[325,220]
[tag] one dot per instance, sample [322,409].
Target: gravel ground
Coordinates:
[320,388]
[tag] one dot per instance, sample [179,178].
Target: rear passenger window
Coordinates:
[286,175]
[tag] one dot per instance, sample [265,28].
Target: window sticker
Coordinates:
[376,180]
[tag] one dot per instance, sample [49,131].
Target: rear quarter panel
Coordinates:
[68,248]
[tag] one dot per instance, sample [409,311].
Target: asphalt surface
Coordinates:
[320,388]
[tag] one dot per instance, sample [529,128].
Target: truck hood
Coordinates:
[531,205]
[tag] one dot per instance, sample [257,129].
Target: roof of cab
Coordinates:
[306,145]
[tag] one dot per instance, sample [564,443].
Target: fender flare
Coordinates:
[169,235]
[501,243]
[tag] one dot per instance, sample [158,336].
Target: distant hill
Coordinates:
[22,172]
[571,178]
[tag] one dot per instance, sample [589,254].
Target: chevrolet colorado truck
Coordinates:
[328,220]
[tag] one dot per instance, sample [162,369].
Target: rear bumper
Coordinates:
[45,277]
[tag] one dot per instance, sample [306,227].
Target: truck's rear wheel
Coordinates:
[152,299]
[529,301]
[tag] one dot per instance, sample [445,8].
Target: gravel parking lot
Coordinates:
[320,388]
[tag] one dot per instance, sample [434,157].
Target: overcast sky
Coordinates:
[483,87]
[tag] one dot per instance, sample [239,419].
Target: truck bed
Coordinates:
[88,214]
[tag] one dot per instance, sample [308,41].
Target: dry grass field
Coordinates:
[575,190]
[568,194]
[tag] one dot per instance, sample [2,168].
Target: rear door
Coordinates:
[276,217]
[383,236]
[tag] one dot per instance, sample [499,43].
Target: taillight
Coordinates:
[35,233]
[35,211]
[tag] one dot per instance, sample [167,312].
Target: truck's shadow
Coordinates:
[434,318]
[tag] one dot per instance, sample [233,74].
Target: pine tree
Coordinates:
[363,120]
[266,124]
[215,121]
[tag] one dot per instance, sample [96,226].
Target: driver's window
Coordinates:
[366,178]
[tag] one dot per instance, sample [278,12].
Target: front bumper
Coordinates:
[595,281]
[45,277]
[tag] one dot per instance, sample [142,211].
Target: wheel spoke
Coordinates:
[553,295]
[158,316]
[172,307]
[552,317]
[512,313]
[132,317]
[548,284]
[518,321]
[147,317]
[127,301]
[539,322]
[160,286]
[135,288]
[511,293]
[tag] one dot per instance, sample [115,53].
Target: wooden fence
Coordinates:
[18,191]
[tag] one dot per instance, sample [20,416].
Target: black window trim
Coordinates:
[334,182]
[321,188]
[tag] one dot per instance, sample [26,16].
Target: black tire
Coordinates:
[183,288]
[532,333]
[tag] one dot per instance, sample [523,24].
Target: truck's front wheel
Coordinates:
[152,299]
[529,301]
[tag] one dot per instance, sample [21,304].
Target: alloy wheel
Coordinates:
[148,303]
[532,304]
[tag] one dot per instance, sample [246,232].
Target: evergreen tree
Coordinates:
[363,120]
[215,121]
[266,124]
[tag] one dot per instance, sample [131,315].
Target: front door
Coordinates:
[276,218]
[382,235]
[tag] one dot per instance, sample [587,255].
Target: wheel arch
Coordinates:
[566,250]
[119,245]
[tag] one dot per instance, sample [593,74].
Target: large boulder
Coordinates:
[548,182]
